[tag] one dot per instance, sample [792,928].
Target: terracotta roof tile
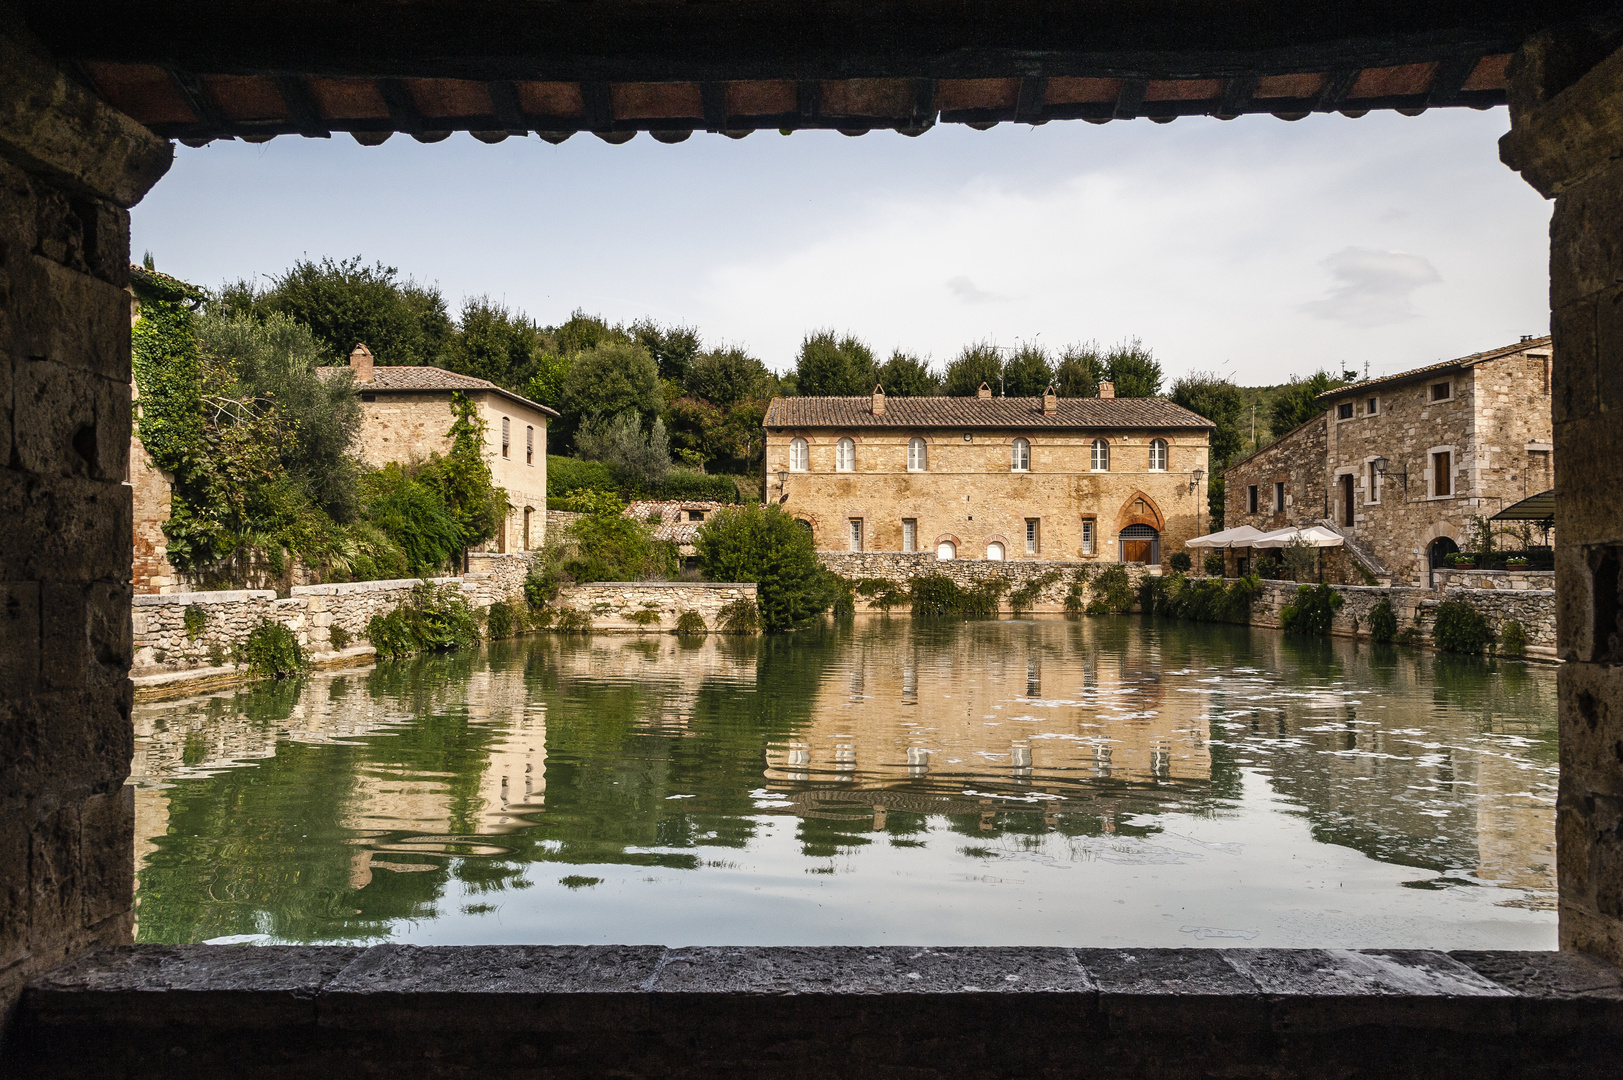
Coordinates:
[1446,365]
[968,412]
[432,378]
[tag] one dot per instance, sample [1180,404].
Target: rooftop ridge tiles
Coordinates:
[947,411]
[1443,365]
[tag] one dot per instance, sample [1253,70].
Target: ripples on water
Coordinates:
[1102,782]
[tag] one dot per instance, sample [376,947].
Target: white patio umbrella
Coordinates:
[1239,536]
[1317,535]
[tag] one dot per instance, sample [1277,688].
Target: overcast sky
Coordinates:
[1254,247]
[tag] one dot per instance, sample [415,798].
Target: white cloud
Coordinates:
[1373,288]
[970,293]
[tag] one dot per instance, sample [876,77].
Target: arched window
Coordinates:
[917,457]
[946,550]
[1101,456]
[845,455]
[1020,458]
[994,552]
[1158,455]
[1140,544]
[797,455]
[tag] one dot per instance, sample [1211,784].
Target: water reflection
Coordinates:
[1093,782]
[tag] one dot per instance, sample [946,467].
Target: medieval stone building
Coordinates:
[1404,465]
[1106,479]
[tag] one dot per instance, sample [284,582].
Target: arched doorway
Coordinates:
[946,550]
[1437,553]
[1140,544]
[994,552]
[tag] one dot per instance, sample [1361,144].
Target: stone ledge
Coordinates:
[664,585]
[220,596]
[882,1011]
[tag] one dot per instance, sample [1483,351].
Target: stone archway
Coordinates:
[1140,509]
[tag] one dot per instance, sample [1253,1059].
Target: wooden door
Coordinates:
[1347,499]
[1135,551]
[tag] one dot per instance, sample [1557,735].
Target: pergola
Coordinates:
[89,95]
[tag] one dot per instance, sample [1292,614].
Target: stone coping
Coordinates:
[857,1011]
[348,587]
[218,596]
[662,585]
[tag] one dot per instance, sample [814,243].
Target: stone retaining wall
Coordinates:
[899,567]
[611,604]
[1511,580]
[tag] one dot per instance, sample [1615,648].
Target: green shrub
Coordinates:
[1202,599]
[1311,615]
[1383,623]
[1112,591]
[1213,563]
[1025,597]
[572,621]
[499,621]
[431,618]
[845,601]
[691,624]
[1181,562]
[1460,628]
[1410,635]
[772,549]
[645,616]
[195,619]
[271,651]
[339,637]
[937,596]
[1513,638]
[567,474]
[682,485]
[742,616]
[881,593]
[608,546]
[541,618]
[541,584]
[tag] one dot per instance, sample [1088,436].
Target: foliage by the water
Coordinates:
[572,621]
[1203,599]
[1025,597]
[433,617]
[1301,558]
[271,651]
[1112,592]
[691,624]
[1460,628]
[772,549]
[742,616]
[1181,562]
[937,596]
[1212,563]
[645,616]
[339,637]
[605,545]
[195,619]
[1311,614]
[1383,622]
[1513,638]
[503,620]
[881,593]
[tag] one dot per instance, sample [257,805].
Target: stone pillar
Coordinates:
[69,169]
[1566,140]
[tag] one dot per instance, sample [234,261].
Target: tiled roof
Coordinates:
[674,525]
[968,412]
[1430,369]
[432,378]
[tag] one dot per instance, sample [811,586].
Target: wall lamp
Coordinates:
[1195,477]
[783,477]
[1382,464]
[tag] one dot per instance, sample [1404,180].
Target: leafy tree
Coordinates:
[608,379]
[1079,371]
[1134,370]
[908,376]
[978,363]
[724,377]
[772,549]
[639,461]
[1028,372]
[346,303]
[608,546]
[546,385]
[673,348]
[474,502]
[493,343]
[413,514]
[583,332]
[255,365]
[834,366]
[1220,401]
[1293,403]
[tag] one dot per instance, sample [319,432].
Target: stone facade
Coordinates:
[611,604]
[900,567]
[1511,580]
[969,495]
[1295,460]
[150,500]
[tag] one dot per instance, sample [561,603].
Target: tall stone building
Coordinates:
[1402,464]
[406,415]
[1107,479]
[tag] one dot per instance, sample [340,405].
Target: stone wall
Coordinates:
[900,567]
[1295,459]
[611,604]
[1513,580]
[69,170]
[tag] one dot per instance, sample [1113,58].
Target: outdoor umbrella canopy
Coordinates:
[1239,536]
[1317,535]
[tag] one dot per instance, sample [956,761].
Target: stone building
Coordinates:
[1107,479]
[407,416]
[1402,464]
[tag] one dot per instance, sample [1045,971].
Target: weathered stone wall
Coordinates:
[69,169]
[150,500]
[970,496]
[611,604]
[1514,580]
[1565,140]
[900,567]
[1535,610]
[1296,459]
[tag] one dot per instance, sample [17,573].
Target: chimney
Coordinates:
[361,360]
[878,400]
[1050,402]
[1107,390]
[984,393]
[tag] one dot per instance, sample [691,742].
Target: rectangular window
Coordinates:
[529,444]
[695,515]
[505,440]
[910,534]
[1344,411]
[1279,496]
[1441,391]
[1442,479]
[856,534]
[1372,406]
[1251,499]
[1373,479]
[1031,536]
[1087,538]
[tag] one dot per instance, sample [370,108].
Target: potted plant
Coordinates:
[1516,562]
[1461,560]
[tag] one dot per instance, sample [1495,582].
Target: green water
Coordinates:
[1102,782]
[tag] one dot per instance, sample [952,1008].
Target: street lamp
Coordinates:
[1195,477]
[783,475]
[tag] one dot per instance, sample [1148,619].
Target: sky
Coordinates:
[1255,248]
